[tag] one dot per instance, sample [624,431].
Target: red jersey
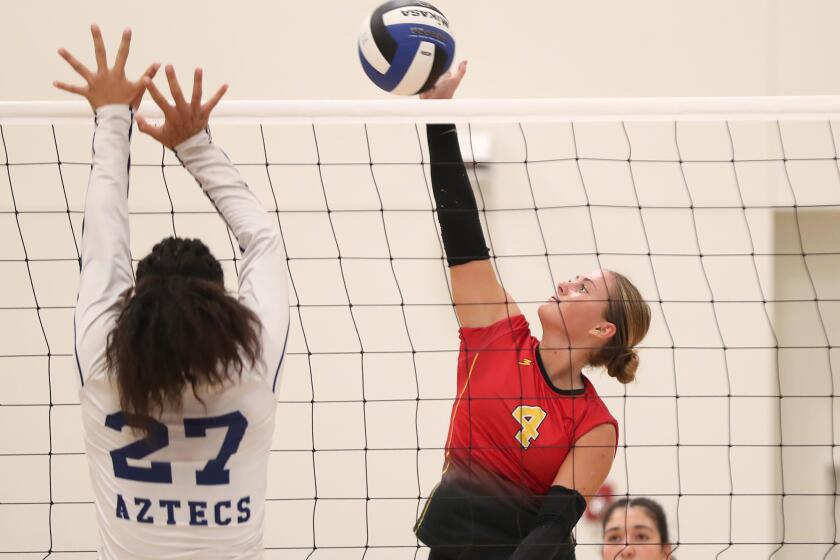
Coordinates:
[507,417]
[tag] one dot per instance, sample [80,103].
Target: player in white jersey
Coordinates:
[178,376]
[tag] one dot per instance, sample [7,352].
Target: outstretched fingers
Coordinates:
[455,79]
[122,53]
[99,48]
[196,92]
[141,83]
[71,88]
[154,131]
[143,125]
[157,96]
[211,104]
[197,107]
[151,71]
[80,68]
[175,88]
[462,70]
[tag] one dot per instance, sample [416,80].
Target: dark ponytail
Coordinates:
[177,329]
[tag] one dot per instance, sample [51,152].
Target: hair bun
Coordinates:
[623,365]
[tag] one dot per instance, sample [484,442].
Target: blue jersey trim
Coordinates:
[282,356]
[76,353]
[81,264]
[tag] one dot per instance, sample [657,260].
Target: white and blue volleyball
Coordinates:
[405,46]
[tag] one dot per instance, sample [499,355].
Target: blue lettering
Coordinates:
[214,472]
[244,508]
[144,508]
[222,516]
[122,511]
[197,513]
[170,506]
[157,439]
[160,472]
[218,510]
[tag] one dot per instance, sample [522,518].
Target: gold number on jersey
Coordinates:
[530,418]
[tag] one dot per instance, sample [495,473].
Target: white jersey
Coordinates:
[197,489]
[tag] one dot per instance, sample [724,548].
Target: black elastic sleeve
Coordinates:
[457,212]
[551,536]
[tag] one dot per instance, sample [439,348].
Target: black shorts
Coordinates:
[479,518]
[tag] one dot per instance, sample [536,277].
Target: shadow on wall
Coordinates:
[804,310]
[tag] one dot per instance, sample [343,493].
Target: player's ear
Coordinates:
[604,330]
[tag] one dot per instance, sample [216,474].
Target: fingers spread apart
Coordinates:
[211,104]
[80,68]
[80,90]
[122,53]
[154,131]
[175,88]
[99,48]
[157,96]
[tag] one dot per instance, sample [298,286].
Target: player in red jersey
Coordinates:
[529,439]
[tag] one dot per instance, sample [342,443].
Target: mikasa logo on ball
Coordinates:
[414,13]
[434,15]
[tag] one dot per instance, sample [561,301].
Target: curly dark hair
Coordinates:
[177,328]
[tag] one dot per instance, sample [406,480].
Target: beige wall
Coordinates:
[540,48]
[644,47]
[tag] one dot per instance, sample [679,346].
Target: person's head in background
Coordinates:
[636,528]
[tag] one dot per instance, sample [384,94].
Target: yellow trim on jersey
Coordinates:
[455,413]
[426,507]
[448,441]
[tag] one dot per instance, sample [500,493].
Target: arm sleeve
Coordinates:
[263,284]
[457,212]
[551,536]
[544,543]
[105,249]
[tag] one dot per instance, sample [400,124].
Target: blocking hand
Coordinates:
[182,120]
[107,85]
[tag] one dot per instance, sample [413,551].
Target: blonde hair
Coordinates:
[631,316]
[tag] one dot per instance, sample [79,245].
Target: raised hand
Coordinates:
[446,85]
[182,120]
[107,85]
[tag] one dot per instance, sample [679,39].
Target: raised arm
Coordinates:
[105,252]
[477,294]
[263,276]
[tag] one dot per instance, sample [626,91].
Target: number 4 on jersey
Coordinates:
[530,418]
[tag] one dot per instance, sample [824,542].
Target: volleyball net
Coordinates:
[724,212]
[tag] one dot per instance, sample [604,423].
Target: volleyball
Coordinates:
[405,46]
